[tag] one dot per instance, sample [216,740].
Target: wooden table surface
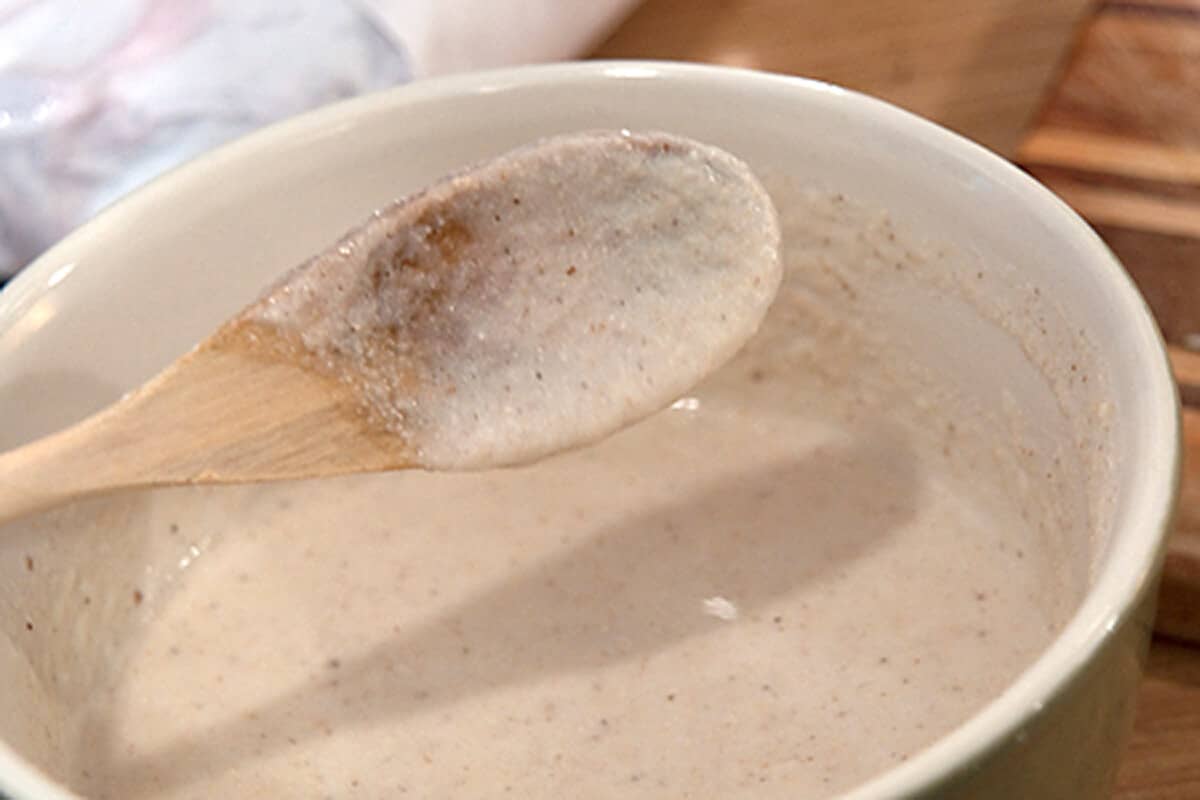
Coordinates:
[980,67]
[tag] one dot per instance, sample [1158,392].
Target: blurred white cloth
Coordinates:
[99,96]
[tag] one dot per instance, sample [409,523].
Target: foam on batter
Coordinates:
[547,297]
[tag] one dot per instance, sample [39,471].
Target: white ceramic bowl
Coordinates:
[130,291]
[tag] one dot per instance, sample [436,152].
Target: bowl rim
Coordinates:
[1128,572]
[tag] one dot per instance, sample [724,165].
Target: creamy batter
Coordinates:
[788,581]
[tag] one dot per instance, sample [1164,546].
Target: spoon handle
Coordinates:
[225,413]
[52,470]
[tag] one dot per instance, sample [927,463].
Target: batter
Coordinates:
[785,583]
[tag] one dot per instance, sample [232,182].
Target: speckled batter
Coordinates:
[788,581]
[523,304]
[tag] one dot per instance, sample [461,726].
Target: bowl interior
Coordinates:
[1031,304]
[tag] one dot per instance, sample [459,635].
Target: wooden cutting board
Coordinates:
[1119,139]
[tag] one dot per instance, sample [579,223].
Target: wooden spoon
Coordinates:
[534,303]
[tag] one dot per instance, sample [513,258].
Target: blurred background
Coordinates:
[1099,99]
[98,97]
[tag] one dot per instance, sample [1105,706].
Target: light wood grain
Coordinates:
[233,410]
[1130,208]
[1113,155]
